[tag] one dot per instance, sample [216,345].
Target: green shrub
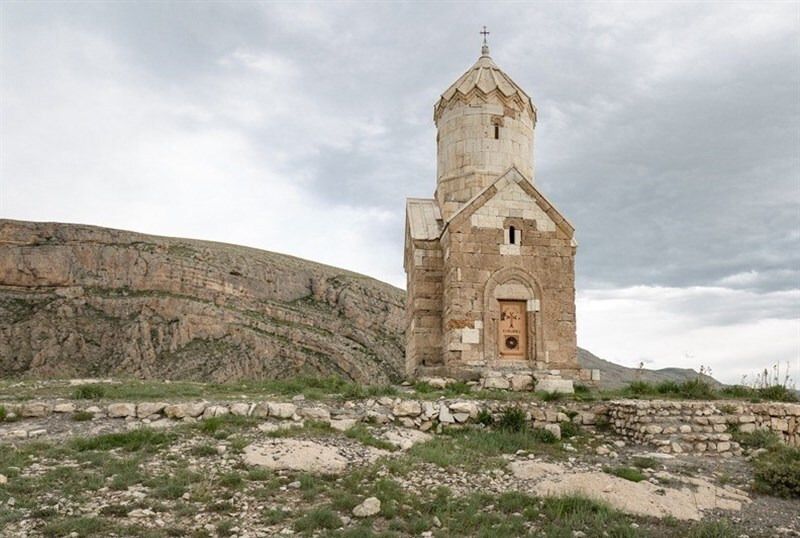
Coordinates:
[569,429]
[668,387]
[697,389]
[640,388]
[82,416]
[777,393]
[777,472]
[756,439]
[89,392]
[513,419]
[737,391]
[3,413]
[543,436]
[485,417]
[423,387]
[581,389]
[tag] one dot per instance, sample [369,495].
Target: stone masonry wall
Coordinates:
[480,268]
[681,426]
[470,158]
[670,426]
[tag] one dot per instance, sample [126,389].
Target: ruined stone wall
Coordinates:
[683,426]
[702,428]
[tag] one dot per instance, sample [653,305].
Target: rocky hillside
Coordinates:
[85,301]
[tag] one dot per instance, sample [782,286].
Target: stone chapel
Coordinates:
[490,262]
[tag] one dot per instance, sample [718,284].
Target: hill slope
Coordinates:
[614,376]
[81,300]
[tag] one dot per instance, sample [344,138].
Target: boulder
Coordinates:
[282,410]
[35,409]
[521,382]
[343,424]
[64,408]
[469,408]
[370,507]
[555,429]
[496,382]
[240,409]
[121,410]
[315,413]
[261,410]
[146,409]
[407,408]
[184,410]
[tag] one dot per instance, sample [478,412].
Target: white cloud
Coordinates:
[681,327]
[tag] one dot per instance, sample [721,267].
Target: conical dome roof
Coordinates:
[485,78]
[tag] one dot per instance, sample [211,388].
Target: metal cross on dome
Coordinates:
[484,33]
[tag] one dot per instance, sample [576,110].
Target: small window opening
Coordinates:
[512,235]
[497,132]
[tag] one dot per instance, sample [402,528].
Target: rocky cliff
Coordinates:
[85,301]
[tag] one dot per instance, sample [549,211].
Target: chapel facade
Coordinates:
[490,262]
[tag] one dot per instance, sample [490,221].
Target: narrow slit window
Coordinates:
[512,235]
[497,132]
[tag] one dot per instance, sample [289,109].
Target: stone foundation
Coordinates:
[669,426]
[699,427]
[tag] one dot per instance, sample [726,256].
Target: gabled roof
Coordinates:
[424,218]
[484,78]
[513,175]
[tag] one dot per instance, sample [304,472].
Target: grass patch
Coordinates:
[317,519]
[82,416]
[89,392]
[628,473]
[363,435]
[478,448]
[513,419]
[3,413]
[143,439]
[645,462]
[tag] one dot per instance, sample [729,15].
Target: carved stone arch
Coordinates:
[512,283]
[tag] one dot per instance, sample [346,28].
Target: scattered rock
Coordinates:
[343,424]
[282,410]
[64,408]
[370,507]
[146,409]
[407,408]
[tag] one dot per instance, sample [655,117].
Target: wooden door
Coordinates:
[512,337]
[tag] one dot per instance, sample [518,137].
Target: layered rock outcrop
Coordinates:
[85,301]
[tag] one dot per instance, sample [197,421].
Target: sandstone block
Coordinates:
[343,424]
[555,385]
[521,382]
[184,410]
[315,413]
[35,410]
[555,429]
[407,408]
[282,410]
[496,383]
[145,409]
[215,411]
[64,408]
[121,410]
[261,410]
[445,417]
[470,408]
[370,507]
[240,409]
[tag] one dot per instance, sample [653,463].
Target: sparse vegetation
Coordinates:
[141,439]
[513,419]
[628,473]
[82,416]
[777,471]
[89,392]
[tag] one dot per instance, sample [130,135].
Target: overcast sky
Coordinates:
[668,134]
